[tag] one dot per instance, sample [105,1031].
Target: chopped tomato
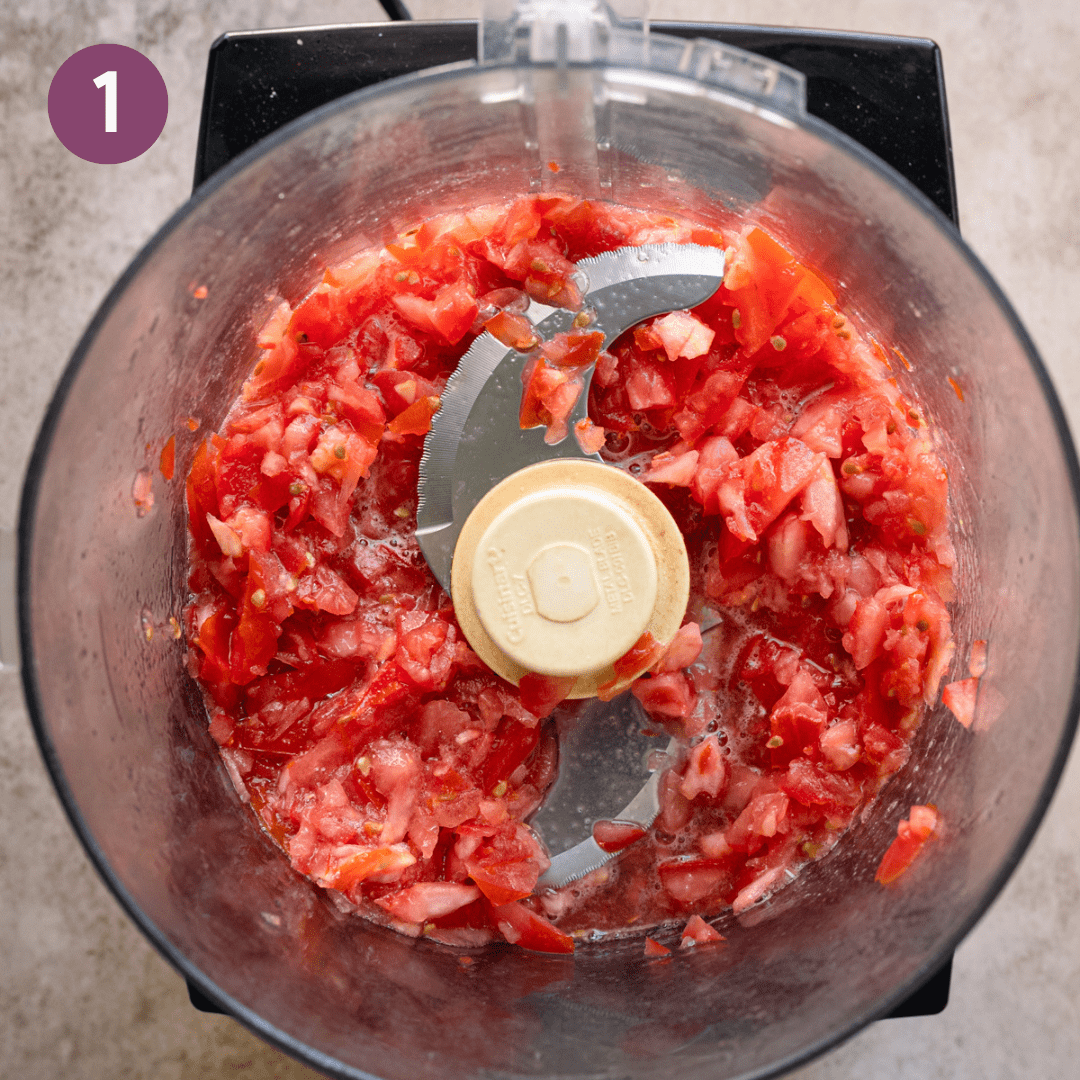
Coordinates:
[698,932]
[590,438]
[507,865]
[514,742]
[706,770]
[977,663]
[523,927]
[415,419]
[679,334]
[365,864]
[688,880]
[513,330]
[797,720]
[427,900]
[959,698]
[911,836]
[541,693]
[670,694]
[573,350]
[167,461]
[374,745]
[669,468]
[654,949]
[550,393]
[454,312]
[202,494]
[613,836]
[638,658]
[650,386]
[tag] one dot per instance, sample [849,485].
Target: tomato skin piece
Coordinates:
[416,418]
[202,496]
[167,460]
[213,638]
[254,641]
[514,742]
[638,658]
[523,927]
[614,836]
[911,836]
[541,693]
[654,949]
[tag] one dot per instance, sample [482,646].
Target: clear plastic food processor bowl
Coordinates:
[690,127]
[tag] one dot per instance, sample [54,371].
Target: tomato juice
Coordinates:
[390,764]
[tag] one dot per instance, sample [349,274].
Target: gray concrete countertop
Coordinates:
[82,994]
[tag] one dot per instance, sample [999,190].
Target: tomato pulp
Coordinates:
[392,766]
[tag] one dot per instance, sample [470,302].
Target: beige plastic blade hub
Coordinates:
[562,566]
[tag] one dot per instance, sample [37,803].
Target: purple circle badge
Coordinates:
[108,104]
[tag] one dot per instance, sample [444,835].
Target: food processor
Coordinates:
[708,131]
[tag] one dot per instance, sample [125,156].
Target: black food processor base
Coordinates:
[887,93]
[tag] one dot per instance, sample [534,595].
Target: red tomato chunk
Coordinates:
[384,757]
[911,836]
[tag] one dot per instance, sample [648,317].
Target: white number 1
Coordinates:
[108,80]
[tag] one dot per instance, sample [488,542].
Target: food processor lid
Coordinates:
[569,32]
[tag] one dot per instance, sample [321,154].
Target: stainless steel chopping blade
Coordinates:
[610,757]
[475,439]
